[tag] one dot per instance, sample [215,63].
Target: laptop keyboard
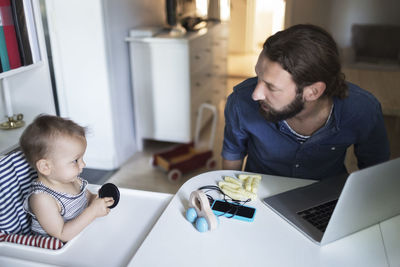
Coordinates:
[319,215]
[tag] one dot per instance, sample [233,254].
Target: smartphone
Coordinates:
[232,210]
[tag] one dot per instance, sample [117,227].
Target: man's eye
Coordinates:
[76,161]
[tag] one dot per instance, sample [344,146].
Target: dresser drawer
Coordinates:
[200,53]
[202,93]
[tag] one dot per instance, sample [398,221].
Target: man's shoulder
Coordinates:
[360,97]
[360,105]
[245,87]
[358,101]
[241,97]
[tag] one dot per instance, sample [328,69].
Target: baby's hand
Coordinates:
[100,206]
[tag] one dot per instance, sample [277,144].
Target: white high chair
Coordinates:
[108,241]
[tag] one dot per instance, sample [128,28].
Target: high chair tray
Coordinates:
[107,241]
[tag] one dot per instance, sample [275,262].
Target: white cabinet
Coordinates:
[172,76]
[30,90]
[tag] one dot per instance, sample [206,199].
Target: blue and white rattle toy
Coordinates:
[200,212]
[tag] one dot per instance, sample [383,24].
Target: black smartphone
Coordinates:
[232,210]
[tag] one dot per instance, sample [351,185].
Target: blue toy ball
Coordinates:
[201,225]
[191,215]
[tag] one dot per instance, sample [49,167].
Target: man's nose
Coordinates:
[259,92]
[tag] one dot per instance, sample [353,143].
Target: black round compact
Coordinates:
[110,190]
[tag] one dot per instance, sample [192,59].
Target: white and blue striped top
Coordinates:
[71,205]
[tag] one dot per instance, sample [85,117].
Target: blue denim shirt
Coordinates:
[273,149]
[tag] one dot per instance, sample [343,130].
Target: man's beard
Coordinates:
[291,110]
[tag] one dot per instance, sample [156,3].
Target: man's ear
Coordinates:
[314,91]
[43,166]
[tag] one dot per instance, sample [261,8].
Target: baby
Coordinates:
[59,202]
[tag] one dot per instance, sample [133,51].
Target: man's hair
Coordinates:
[310,55]
[37,138]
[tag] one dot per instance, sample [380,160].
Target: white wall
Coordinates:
[268,19]
[121,16]
[91,64]
[241,38]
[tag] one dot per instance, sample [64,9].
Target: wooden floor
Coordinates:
[138,173]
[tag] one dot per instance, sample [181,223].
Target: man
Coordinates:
[298,116]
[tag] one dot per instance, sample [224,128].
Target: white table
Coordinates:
[268,241]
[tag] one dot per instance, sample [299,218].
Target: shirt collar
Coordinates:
[337,111]
[331,122]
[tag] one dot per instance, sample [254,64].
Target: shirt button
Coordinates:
[333,148]
[297,165]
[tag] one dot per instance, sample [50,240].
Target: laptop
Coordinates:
[349,204]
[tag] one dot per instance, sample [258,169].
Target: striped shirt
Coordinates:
[71,205]
[302,138]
